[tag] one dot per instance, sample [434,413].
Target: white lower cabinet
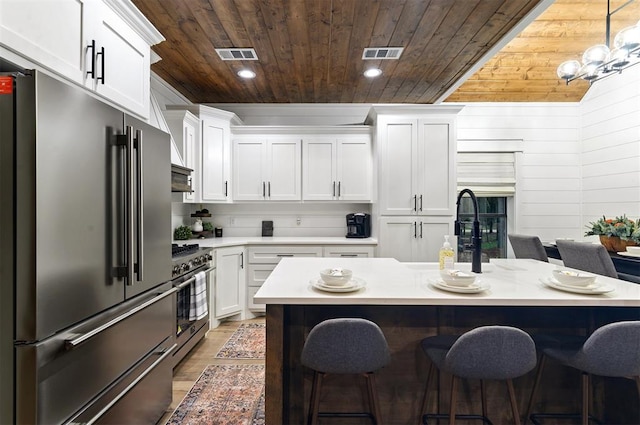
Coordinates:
[230,281]
[413,238]
[262,261]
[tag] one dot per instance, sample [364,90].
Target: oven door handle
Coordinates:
[70,344]
[191,279]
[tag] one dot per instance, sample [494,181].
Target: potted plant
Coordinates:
[615,233]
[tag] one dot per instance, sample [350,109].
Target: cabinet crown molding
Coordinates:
[307,129]
[132,16]
[411,110]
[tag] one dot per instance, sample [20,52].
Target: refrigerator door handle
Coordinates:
[164,353]
[139,267]
[129,207]
[70,344]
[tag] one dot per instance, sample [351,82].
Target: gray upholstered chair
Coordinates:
[525,246]
[485,353]
[592,258]
[345,346]
[612,350]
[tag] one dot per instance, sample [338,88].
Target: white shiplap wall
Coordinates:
[611,147]
[548,169]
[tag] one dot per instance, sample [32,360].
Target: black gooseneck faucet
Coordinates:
[476,263]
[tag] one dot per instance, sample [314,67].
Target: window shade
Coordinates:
[487,173]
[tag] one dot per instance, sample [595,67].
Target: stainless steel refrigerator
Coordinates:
[85,230]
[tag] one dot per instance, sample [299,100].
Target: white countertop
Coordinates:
[278,240]
[389,282]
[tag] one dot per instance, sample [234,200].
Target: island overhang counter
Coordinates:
[402,300]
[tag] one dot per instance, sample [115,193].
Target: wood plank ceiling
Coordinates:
[310,50]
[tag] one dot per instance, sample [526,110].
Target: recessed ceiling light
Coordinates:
[373,72]
[246,73]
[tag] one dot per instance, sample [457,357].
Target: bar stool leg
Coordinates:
[637,379]
[543,360]
[514,404]
[373,398]
[315,398]
[425,400]
[483,396]
[453,401]
[585,398]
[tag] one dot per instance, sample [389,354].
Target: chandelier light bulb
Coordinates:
[628,38]
[595,55]
[569,69]
[619,57]
[589,71]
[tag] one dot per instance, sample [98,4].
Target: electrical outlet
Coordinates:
[298,221]
[232,221]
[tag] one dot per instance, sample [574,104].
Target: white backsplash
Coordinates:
[289,219]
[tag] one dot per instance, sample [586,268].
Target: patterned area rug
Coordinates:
[224,395]
[248,342]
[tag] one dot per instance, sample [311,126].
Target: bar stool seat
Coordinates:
[612,350]
[485,353]
[345,346]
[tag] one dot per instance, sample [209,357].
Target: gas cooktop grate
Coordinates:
[177,250]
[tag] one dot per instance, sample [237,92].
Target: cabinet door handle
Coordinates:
[420,202]
[334,188]
[269,189]
[415,202]
[92,47]
[415,230]
[242,260]
[101,54]
[420,230]
[226,189]
[348,255]
[339,191]
[263,190]
[284,255]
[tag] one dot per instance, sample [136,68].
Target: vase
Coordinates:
[615,244]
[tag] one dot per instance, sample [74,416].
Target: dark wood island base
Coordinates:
[401,385]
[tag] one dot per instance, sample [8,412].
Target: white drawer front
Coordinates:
[273,254]
[258,273]
[348,251]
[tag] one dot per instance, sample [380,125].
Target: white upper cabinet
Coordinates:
[267,168]
[417,164]
[211,152]
[336,168]
[185,127]
[103,45]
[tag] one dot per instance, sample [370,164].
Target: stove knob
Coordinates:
[196,261]
[208,257]
[176,270]
[183,267]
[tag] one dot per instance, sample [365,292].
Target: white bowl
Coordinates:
[336,276]
[635,250]
[457,278]
[574,278]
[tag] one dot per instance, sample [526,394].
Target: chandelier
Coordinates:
[601,60]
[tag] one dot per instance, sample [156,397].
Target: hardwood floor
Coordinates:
[204,353]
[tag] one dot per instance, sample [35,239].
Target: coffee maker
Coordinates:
[358,225]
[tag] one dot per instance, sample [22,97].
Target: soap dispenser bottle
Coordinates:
[446,255]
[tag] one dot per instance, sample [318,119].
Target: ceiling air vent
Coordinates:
[382,53]
[237,54]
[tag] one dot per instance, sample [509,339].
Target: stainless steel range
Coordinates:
[188,261]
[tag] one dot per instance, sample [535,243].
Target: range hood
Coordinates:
[180,178]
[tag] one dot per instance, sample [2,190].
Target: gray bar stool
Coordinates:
[592,258]
[612,350]
[525,246]
[487,352]
[345,346]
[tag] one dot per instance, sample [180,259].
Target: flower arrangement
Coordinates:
[621,227]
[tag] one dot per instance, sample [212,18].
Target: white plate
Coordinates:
[353,285]
[628,254]
[474,288]
[588,290]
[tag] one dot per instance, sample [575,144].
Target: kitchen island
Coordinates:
[402,300]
